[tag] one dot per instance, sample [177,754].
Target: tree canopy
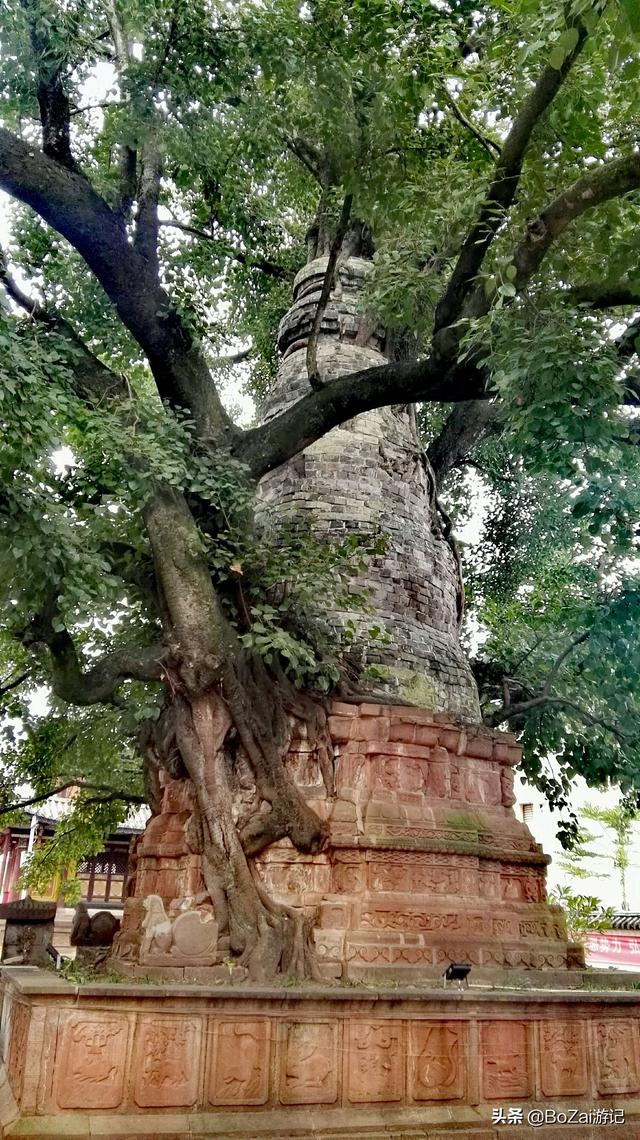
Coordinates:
[171,165]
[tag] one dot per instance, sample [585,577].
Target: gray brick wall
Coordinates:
[370,473]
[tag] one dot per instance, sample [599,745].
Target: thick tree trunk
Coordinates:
[227,716]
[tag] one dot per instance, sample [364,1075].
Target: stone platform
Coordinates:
[335,1062]
[426,861]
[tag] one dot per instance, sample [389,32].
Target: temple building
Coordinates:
[102,877]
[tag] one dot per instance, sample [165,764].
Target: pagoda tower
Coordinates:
[371,475]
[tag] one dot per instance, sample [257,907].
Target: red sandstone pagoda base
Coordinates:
[426,863]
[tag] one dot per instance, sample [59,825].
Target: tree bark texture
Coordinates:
[228,717]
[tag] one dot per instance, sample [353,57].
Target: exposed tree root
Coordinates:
[249,718]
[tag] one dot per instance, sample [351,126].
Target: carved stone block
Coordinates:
[563,1058]
[91,1062]
[375,1061]
[167,1061]
[17,1049]
[28,930]
[309,1072]
[617,1068]
[416,828]
[436,1056]
[239,1072]
[506,1064]
[348,878]
[188,939]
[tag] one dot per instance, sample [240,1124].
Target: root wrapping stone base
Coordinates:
[336,1063]
[426,862]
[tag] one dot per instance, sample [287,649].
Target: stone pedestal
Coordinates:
[426,863]
[28,931]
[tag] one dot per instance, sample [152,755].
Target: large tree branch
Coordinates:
[52,98]
[626,342]
[604,295]
[500,195]
[310,158]
[108,795]
[514,711]
[544,698]
[282,437]
[67,202]
[128,155]
[327,285]
[610,180]
[91,379]
[145,241]
[468,423]
[99,683]
[485,141]
[11,683]
[561,658]
[632,393]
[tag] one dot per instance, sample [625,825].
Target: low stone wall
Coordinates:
[135,1060]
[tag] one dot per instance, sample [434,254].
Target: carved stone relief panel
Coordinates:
[309,1073]
[409,878]
[563,1058]
[617,1068]
[390,877]
[436,1053]
[398,774]
[91,1061]
[293,878]
[167,1061]
[18,1041]
[506,1071]
[412,919]
[348,878]
[240,1062]
[489,884]
[504,928]
[481,784]
[375,1061]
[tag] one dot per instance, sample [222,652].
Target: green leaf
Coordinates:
[631,9]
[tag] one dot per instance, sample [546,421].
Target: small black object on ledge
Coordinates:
[457,972]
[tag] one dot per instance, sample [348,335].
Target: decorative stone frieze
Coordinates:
[138,1060]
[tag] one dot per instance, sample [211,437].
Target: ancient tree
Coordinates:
[486,163]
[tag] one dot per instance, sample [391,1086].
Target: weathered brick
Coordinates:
[427,734]
[449,738]
[370,710]
[507,753]
[372,728]
[479,746]
[397,748]
[341,727]
[367,474]
[341,708]
[406,732]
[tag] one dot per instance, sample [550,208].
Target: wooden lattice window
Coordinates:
[102,876]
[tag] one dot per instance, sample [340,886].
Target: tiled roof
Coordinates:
[625,921]
[57,807]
